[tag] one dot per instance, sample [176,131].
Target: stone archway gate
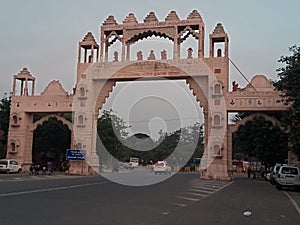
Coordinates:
[207,77]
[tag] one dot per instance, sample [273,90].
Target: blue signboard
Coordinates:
[75,154]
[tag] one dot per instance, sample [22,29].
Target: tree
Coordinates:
[141,146]
[4,123]
[112,132]
[289,84]
[262,140]
[190,140]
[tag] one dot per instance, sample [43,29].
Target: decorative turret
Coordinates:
[130,19]
[219,36]
[110,21]
[194,15]
[24,76]
[132,31]
[89,45]
[172,16]
[151,17]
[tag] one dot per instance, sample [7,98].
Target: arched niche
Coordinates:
[13,146]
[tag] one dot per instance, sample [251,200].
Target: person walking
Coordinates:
[249,172]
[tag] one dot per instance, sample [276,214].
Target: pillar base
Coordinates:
[81,168]
[217,170]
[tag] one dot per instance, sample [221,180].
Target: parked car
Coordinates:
[274,173]
[10,166]
[161,167]
[288,176]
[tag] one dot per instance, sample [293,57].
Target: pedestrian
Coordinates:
[254,173]
[262,171]
[49,167]
[249,172]
[31,169]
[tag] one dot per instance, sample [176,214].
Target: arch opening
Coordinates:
[154,114]
[51,138]
[155,43]
[259,142]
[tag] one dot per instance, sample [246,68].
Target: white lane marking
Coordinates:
[216,190]
[189,199]
[200,190]
[293,202]
[205,188]
[223,187]
[215,187]
[50,189]
[39,177]
[196,194]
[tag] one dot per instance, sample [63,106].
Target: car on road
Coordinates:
[161,167]
[126,166]
[10,166]
[134,161]
[288,176]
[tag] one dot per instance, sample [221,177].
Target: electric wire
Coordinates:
[241,73]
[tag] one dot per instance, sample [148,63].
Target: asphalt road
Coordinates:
[182,199]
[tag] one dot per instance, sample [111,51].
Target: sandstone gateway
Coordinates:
[207,77]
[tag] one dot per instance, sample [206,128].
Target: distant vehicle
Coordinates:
[288,176]
[240,166]
[10,166]
[161,167]
[125,165]
[134,161]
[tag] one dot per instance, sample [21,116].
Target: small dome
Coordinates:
[194,15]
[130,19]
[110,21]
[89,37]
[151,17]
[219,29]
[172,16]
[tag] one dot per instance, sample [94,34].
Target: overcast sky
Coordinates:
[43,35]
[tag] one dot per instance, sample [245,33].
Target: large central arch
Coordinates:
[100,80]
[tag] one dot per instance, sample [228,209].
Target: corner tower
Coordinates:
[88,53]
[25,78]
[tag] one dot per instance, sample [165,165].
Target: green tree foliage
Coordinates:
[112,132]
[51,140]
[262,140]
[189,138]
[196,135]
[289,84]
[140,146]
[4,123]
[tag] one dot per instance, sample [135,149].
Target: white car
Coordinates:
[10,166]
[161,167]
[274,172]
[288,176]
